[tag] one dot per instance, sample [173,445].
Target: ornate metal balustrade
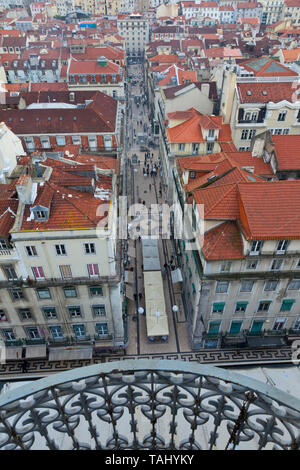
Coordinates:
[148,404]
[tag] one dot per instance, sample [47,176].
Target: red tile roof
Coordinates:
[223,242]
[287,150]
[220,202]
[265,92]
[69,208]
[91,66]
[270,210]
[190,130]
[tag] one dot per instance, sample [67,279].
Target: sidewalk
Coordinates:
[178,326]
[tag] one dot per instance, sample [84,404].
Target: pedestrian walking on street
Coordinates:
[149,187]
[160,194]
[24,366]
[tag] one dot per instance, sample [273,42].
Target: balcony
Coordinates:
[8,254]
[101,338]
[149,404]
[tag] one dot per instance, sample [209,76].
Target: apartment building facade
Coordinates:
[259,96]
[241,280]
[135,29]
[60,276]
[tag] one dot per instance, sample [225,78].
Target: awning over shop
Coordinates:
[234,340]
[156,317]
[151,260]
[12,352]
[176,276]
[36,351]
[265,341]
[70,353]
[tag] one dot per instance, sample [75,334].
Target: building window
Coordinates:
[70,291]
[10,272]
[17,293]
[287,305]
[255,247]
[282,246]
[60,250]
[192,174]
[257,326]
[251,133]
[241,307]
[297,324]
[281,116]
[214,327]
[43,293]
[76,139]
[25,313]
[294,284]
[56,331]
[247,286]
[61,140]
[222,287]
[93,270]
[3,316]
[225,266]
[209,147]
[99,310]
[33,332]
[4,245]
[41,215]
[8,334]
[38,273]
[279,324]
[181,147]
[79,330]
[244,135]
[65,271]
[270,285]
[264,306]
[49,312]
[45,142]
[276,264]
[74,311]
[89,248]
[96,291]
[31,250]
[218,307]
[235,327]
[102,329]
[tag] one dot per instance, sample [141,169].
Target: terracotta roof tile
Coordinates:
[223,242]
[270,210]
[287,149]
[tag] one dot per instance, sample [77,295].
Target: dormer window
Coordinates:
[41,215]
[255,247]
[282,246]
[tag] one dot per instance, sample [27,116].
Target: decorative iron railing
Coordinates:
[148,404]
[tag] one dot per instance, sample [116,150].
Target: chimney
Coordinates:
[24,189]
[205,89]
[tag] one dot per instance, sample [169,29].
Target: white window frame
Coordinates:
[89,244]
[277,320]
[222,282]
[30,249]
[59,248]
[276,261]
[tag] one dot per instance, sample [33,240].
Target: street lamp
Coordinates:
[175,308]
[141,310]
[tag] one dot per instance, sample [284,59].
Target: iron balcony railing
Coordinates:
[149,404]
